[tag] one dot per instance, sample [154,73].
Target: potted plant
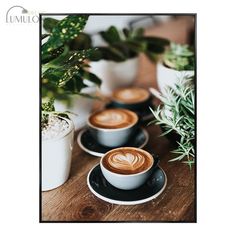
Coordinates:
[57,142]
[118,61]
[63,73]
[78,99]
[178,60]
[176,115]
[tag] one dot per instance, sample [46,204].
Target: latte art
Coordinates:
[131,95]
[113,118]
[110,118]
[127,160]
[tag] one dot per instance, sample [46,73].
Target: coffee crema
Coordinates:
[127,160]
[113,118]
[130,95]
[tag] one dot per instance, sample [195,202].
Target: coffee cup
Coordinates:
[112,127]
[127,167]
[132,98]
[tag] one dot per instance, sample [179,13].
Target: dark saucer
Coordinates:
[144,114]
[91,146]
[99,186]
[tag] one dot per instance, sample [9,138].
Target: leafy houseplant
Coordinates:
[179,57]
[63,73]
[64,70]
[177,114]
[178,60]
[128,43]
[118,61]
[57,141]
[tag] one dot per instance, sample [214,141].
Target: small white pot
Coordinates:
[80,106]
[115,74]
[168,77]
[56,159]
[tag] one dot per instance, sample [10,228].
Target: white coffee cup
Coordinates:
[127,181]
[113,137]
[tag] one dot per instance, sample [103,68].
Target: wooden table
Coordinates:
[73,201]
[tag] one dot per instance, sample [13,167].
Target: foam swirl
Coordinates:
[131,95]
[113,118]
[110,118]
[127,161]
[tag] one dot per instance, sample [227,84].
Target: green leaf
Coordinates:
[48,105]
[138,32]
[78,57]
[189,162]
[95,55]
[56,77]
[111,35]
[155,45]
[111,53]
[49,23]
[44,36]
[60,59]
[178,158]
[166,132]
[157,41]
[70,59]
[153,57]
[91,77]
[83,41]
[128,50]
[75,84]
[126,32]
[46,57]
[136,46]
[66,30]
[63,115]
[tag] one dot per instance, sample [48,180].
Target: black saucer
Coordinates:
[99,186]
[90,145]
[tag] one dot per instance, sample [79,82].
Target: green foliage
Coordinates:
[111,35]
[64,31]
[64,62]
[126,44]
[179,57]
[83,41]
[176,114]
[48,109]
[49,23]
[64,69]
[48,105]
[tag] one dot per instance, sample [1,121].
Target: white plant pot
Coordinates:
[81,106]
[56,159]
[168,77]
[115,74]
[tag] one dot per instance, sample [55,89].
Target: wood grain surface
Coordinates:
[73,201]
